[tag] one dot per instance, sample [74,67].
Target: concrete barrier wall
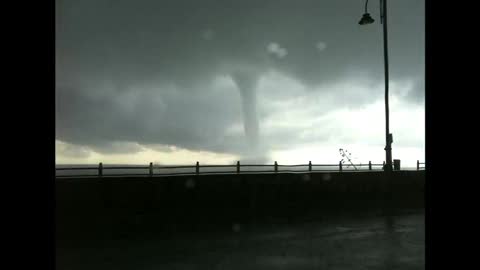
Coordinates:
[274,194]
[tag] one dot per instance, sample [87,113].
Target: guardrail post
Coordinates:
[340,166]
[310,166]
[100,169]
[238,167]
[197,168]
[150,169]
[276,167]
[418,165]
[370,165]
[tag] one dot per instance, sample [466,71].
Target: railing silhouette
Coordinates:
[197,169]
[420,167]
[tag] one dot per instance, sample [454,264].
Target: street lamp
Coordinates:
[366,19]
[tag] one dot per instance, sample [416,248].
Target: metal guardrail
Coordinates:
[420,163]
[275,168]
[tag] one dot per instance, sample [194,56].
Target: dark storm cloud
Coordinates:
[194,120]
[417,94]
[73,151]
[107,51]
[117,148]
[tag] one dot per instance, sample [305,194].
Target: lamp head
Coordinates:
[366,19]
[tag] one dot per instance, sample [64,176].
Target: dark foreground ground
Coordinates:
[341,223]
[363,242]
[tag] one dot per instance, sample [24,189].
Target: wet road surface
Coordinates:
[363,242]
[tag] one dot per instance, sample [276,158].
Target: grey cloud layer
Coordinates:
[144,71]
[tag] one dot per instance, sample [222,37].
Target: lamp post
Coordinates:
[366,19]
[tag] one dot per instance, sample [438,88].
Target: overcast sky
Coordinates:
[216,81]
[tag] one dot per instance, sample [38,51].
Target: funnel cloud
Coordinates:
[246,82]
